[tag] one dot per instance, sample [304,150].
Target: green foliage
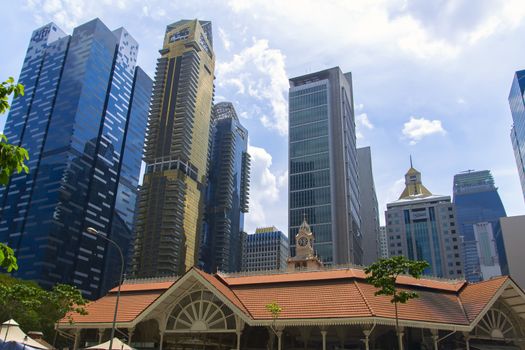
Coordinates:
[11,159]
[6,89]
[274,309]
[35,308]
[7,258]
[383,274]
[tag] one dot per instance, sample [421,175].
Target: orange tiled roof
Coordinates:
[447,285]
[296,299]
[130,306]
[475,297]
[339,293]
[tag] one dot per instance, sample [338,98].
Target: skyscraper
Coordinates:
[265,250]
[227,192]
[171,204]
[422,226]
[478,210]
[369,208]
[83,121]
[383,243]
[517,133]
[323,165]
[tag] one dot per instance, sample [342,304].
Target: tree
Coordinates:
[275,310]
[35,308]
[12,159]
[383,275]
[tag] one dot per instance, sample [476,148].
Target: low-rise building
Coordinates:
[332,308]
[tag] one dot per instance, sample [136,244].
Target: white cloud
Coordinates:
[388,27]
[362,120]
[389,194]
[262,70]
[225,39]
[418,128]
[268,193]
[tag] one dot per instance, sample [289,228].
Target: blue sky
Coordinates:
[431,78]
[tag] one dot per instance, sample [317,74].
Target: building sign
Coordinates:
[417,215]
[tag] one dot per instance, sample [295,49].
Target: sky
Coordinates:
[431,78]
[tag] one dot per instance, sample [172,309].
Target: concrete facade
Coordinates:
[510,242]
[368,207]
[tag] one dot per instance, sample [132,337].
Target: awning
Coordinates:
[117,345]
[10,332]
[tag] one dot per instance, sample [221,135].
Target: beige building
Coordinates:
[171,202]
[510,241]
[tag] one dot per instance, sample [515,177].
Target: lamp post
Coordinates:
[94,232]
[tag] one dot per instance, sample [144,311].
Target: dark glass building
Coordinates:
[227,192]
[478,210]
[517,134]
[83,121]
[323,165]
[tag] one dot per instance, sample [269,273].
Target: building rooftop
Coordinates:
[341,293]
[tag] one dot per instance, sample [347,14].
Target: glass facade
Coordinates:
[83,123]
[477,201]
[265,250]
[422,226]
[323,165]
[517,134]
[227,192]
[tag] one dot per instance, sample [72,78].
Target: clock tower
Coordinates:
[305,258]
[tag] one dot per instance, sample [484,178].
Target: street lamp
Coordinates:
[94,232]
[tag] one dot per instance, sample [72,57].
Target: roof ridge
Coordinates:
[364,298]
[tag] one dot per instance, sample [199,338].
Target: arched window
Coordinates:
[201,311]
[497,324]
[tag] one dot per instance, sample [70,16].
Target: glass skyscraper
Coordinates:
[266,250]
[323,165]
[478,208]
[227,192]
[83,121]
[171,204]
[422,226]
[517,133]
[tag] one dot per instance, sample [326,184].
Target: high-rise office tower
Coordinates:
[171,202]
[478,210]
[83,121]
[369,208]
[323,165]
[265,250]
[422,226]
[517,133]
[227,192]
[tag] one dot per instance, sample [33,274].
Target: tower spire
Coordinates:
[411,161]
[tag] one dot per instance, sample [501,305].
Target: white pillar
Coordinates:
[400,339]
[161,339]
[279,342]
[239,332]
[130,335]
[467,340]
[435,340]
[77,339]
[367,332]
[100,335]
[323,333]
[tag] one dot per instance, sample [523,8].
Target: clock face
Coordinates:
[303,241]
